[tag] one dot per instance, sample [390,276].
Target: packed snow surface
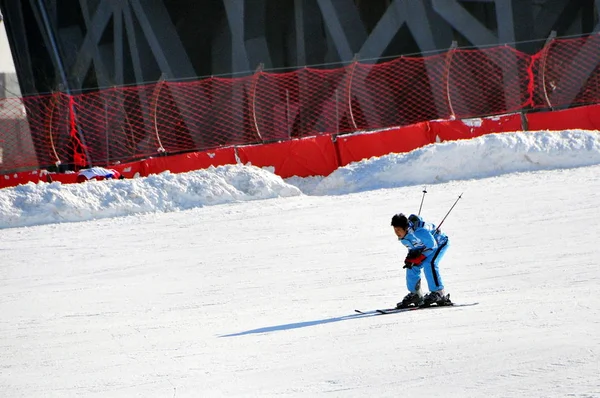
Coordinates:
[232,282]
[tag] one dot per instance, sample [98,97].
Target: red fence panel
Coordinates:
[355,147]
[185,162]
[450,130]
[217,111]
[488,82]
[298,104]
[584,117]
[568,72]
[116,124]
[302,157]
[399,92]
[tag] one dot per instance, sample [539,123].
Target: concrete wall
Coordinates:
[16,145]
[9,84]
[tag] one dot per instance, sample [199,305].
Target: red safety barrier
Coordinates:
[449,130]
[585,118]
[63,178]
[14,179]
[131,170]
[321,155]
[188,161]
[304,157]
[355,147]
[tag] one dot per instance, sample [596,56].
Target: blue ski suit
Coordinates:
[423,235]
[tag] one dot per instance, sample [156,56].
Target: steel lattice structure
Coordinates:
[81,45]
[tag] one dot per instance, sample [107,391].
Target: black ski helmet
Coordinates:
[400,220]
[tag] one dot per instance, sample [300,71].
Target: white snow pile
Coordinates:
[485,156]
[43,203]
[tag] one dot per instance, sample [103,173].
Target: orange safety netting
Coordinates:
[117,125]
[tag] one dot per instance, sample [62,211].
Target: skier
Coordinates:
[426,247]
[97,173]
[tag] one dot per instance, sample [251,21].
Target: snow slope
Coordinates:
[234,283]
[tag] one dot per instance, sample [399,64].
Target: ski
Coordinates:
[395,310]
[371,312]
[384,311]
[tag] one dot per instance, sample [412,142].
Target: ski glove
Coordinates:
[414,257]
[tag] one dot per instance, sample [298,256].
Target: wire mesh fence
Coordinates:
[122,124]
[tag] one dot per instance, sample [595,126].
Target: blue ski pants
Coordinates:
[430,267]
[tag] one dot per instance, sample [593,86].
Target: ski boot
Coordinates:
[411,300]
[438,298]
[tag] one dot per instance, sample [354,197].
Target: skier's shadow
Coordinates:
[298,325]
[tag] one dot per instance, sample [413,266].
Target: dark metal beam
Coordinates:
[299,25]
[235,17]
[88,50]
[119,67]
[426,27]
[548,15]
[597,8]
[384,31]
[344,26]
[255,39]
[314,31]
[461,20]
[578,66]
[521,17]
[102,75]
[14,23]
[165,44]
[310,43]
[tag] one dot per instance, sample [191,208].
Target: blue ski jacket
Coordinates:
[423,236]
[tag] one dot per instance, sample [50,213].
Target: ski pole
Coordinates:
[422,199]
[444,219]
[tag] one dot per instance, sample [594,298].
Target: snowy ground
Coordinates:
[211,289]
